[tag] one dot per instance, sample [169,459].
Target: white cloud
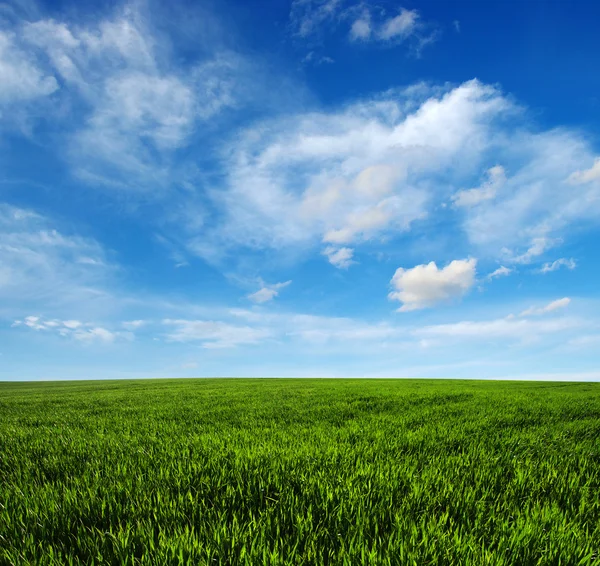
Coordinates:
[503,328]
[42,263]
[21,76]
[307,17]
[550,307]
[134,106]
[353,175]
[377,167]
[587,175]
[534,210]
[95,334]
[426,285]
[537,247]
[214,334]
[267,292]
[315,58]
[319,329]
[400,26]
[557,264]
[339,257]
[74,329]
[314,20]
[487,191]
[500,272]
[361,28]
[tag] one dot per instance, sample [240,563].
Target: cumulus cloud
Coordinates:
[267,292]
[557,264]
[339,257]
[376,168]
[344,177]
[425,285]
[487,191]
[550,307]
[586,175]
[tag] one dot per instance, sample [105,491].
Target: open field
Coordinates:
[299,472]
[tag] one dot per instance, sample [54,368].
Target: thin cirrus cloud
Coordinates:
[426,285]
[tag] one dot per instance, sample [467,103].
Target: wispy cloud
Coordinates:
[40,263]
[74,329]
[586,175]
[500,272]
[364,22]
[346,176]
[308,17]
[214,334]
[557,264]
[267,292]
[487,191]
[550,307]
[509,328]
[375,168]
[133,106]
[21,75]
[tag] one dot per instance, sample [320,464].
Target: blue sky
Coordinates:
[305,188]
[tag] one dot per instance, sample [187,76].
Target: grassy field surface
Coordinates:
[299,472]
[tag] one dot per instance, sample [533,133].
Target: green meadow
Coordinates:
[299,471]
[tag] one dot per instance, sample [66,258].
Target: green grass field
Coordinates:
[299,472]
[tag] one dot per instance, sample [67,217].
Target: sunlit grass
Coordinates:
[299,472]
